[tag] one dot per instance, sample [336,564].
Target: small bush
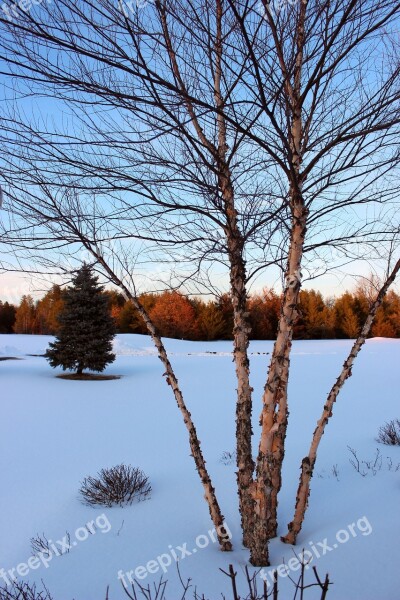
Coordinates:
[257,589]
[23,591]
[366,467]
[389,433]
[40,544]
[119,485]
[371,467]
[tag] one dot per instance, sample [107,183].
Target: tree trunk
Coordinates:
[244,458]
[241,331]
[308,462]
[274,414]
[241,328]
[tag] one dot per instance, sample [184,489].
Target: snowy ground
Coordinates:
[55,432]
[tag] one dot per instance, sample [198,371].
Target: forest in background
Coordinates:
[177,316]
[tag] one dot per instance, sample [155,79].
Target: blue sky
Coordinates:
[49,111]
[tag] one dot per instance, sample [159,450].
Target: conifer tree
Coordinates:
[7,317]
[84,339]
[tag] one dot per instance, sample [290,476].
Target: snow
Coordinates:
[55,432]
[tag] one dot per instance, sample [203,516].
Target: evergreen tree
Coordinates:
[86,328]
[211,320]
[7,317]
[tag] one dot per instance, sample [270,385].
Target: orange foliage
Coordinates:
[174,316]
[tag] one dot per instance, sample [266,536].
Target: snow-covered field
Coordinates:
[54,432]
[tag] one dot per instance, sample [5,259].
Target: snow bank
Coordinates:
[55,432]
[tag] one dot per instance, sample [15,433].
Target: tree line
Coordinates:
[178,316]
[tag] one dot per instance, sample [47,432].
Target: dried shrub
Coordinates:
[371,467]
[40,544]
[366,467]
[389,433]
[256,589]
[24,591]
[119,485]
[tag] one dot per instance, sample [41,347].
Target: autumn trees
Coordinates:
[220,138]
[321,318]
[24,319]
[39,317]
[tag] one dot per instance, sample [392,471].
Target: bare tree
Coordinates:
[248,138]
[332,128]
[192,168]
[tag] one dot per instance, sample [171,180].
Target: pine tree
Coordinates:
[86,331]
[7,317]
[211,321]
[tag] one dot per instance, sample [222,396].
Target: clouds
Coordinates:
[15,285]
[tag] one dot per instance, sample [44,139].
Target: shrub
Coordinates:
[256,589]
[118,485]
[40,544]
[390,433]
[157,591]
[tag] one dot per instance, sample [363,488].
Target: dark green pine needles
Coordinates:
[84,339]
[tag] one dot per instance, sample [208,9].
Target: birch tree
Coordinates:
[332,127]
[251,136]
[190,163]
